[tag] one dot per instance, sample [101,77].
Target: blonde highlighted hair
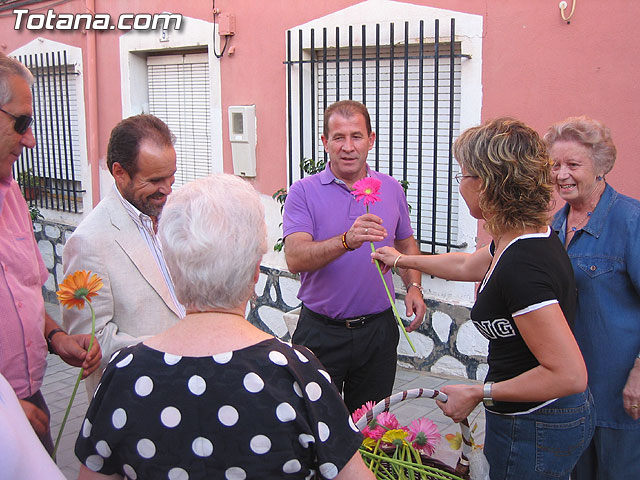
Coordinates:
[514,169]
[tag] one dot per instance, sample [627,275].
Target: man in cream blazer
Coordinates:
[117,241]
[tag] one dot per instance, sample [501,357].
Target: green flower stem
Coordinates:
[420,469]
[393,304]
[75,388]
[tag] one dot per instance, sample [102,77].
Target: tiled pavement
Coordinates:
[60,379]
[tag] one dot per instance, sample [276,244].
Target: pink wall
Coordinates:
[535,67]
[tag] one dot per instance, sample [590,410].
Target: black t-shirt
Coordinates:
[532,272]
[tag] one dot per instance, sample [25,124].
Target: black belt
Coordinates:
[355,322]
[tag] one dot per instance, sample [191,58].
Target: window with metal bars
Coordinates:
[411,88]
[49,174]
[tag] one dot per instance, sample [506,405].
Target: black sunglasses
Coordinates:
[22,123]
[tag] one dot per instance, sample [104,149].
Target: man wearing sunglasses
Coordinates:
[27,331]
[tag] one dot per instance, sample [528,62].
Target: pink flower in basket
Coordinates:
[380,425]
[362,411]
[424,435]
[367,190]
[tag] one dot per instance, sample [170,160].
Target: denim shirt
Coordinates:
[605,255]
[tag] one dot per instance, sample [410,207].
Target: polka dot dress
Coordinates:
[266,411]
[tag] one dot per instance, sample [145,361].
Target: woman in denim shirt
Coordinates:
[601,232]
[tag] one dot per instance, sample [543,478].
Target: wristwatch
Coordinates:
[50,336]
[487,399]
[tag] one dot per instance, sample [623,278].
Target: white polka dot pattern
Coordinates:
[260,444]
[197,385]
[114,355]
[86,428]
[235,473]
[119,418]
[323,431]
[292,466]
[103,449]
[143,386]
[313,390]
[170,417]
[178,473]
[302,358]
[305,439]
[325,375]
[278,358]
[146,448]
[202,447]
[171,359]
[242,390]
[329,470]
[297,389]
[253,383]
[223,358]
[228,415]
[129,472]
[125,361]
[285,412]
[94,462]
[353,425]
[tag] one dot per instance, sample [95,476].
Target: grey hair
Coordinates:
[594,135]
[213,235]
[10,67]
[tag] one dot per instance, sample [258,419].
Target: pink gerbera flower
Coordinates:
[362,411]
[380,425]
[367,190]
[424,435]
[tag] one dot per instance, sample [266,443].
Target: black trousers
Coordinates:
[361,361]
[37,399]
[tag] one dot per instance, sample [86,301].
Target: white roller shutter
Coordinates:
[179,95]
[397,136]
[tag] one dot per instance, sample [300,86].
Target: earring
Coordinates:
[598,178]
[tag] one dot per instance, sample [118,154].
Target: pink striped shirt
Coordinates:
[23,348]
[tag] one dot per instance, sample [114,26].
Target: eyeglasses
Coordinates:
[460,176]
[22,123]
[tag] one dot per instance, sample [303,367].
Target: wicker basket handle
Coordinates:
[383,406]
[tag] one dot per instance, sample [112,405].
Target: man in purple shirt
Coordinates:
[346,319]
[26,328]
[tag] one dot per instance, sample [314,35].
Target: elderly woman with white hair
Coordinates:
[214,396]
[600,229]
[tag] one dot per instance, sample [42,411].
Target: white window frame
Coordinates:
[136,46]
[83,175]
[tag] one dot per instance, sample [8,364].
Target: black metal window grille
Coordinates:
[48,174]
[412,90]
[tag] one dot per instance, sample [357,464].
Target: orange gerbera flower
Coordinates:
[77,288]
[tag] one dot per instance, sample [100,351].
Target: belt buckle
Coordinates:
[355,322]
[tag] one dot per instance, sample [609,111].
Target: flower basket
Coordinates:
[427,468]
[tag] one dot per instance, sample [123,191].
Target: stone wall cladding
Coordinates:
[445,343]
[51,237]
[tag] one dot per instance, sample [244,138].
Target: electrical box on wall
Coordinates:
[242,135]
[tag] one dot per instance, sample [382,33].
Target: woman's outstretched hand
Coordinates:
[386,256]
